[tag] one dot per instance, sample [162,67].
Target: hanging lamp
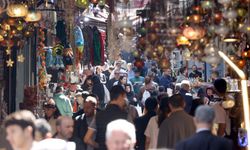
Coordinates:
[33,16]
[17,10]
[231,38]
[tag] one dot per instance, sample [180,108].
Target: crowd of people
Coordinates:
[125,108]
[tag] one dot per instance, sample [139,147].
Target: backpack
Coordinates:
[146,94]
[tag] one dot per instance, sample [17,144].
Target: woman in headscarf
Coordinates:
[98,89]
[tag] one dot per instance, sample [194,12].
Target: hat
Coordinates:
[187,82]
[91,99]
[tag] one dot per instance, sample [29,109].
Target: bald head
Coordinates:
[64,127]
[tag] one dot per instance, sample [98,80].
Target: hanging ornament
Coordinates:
[10,63]
[8,51]
[241,63]
[195,18]
[82,3]
[244,54]
[207,4]
[225,2]
[230,14]
[173,31]
[218,17]
[95,2]
[222,29]
[194,33]
[211,48]
[33,16]
[101,4]
[198,9]
[20,58]
[1,38]
[182,40]
[17,10]
[241,12]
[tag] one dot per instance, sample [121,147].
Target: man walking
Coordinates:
[204,139]
[178,126]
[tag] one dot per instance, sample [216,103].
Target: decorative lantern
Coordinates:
[231,38]
[241,12]
[82,3]
[182,40]
[174,31]
[195,18]
[241,63]
[210,48]
[95,2]
[222,29]
[33,16]
[101,4]
[230,14]
[17,10]
[225,2]
[218,16]
[207,4]
[194,33]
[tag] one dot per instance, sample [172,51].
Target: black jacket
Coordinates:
[188,100]
[204,140]
[141,125]
[98,88]
[111,113]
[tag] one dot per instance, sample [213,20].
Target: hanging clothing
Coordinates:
[88,44]
[49,58]
[61,31]
[96,55]
[103,38]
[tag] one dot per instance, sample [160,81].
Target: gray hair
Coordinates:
[43,127]
[123,126]
[205,114]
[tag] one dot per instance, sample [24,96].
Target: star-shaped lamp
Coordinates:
[10,63]
[8,51]
[20,58]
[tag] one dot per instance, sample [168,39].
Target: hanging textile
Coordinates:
[88,44]
[96,55]
[61,31]
[49,58]
[102,38]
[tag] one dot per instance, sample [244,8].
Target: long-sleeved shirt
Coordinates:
[63,104]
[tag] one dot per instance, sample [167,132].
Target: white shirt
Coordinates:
[152,131]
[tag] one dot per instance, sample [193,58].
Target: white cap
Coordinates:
[91,99]
[185,82]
